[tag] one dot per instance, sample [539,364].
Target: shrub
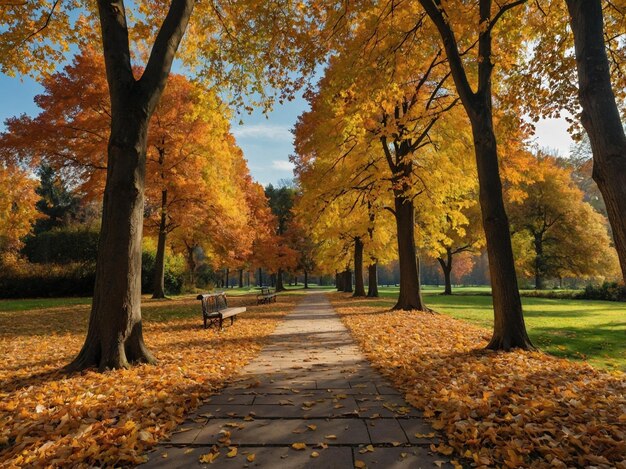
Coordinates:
[24,280]
[174,272]
[63,246]
[608,291]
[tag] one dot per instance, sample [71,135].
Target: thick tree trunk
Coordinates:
[158,284]
[260,277]
[240,278]
[446,267]
[410,296]
[600,115]
[359,286]
[347,281]
[279,281]
[114,338]
[372,284]
[509,327]
[306,280]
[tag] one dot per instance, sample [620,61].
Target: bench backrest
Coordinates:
[265,291]
[213,302]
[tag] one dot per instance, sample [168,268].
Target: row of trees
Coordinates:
[420,62]
[399,109]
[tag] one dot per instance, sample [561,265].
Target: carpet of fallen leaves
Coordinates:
[517,409]
[51,419]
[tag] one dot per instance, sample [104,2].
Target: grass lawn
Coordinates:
[576,329]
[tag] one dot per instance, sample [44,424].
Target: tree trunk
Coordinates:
[539,278]
[372,284]
[410,296]
[347,281]
[339,281]
[191,263]
[446,267]
[114,337]
[600,116]
[509,327]
[158,285]
[227,277]
[260,277]
[359,286]
[240,278]
[306,280]
[279,281]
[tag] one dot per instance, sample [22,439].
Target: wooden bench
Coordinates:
[215,309]
[266,296]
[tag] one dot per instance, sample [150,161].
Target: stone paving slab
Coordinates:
[310,386]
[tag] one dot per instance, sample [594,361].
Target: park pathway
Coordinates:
[310,385]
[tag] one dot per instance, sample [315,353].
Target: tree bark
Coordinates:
[114,337]
[539,278]
[600,116]
[347,281]
[359,285]
[240,278]
[279,281]
[158,285]
[410,296]
[227,278]
[372,284]
[509,328]
[446,267]
[306,280]
[260,277]
[339,281]
[191,263]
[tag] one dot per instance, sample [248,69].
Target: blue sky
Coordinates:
[265,140]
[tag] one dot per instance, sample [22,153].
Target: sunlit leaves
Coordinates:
[518,409]
[111,419]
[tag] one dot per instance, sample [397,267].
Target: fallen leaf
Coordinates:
[299,446]
[232,453]
[208,458]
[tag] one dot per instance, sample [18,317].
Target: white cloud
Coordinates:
[263,131]
[282,165]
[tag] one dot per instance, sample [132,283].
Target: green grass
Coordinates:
[41,303]
[575,329]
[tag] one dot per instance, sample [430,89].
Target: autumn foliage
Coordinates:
[48,418]
[518,409]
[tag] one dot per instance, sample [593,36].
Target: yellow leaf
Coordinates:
[330,437]
[312,427]
[209,457]
[360,464]
[250,457]
[298,446]
[232,453]
[315,454]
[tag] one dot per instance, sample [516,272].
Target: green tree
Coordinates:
[57,203]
